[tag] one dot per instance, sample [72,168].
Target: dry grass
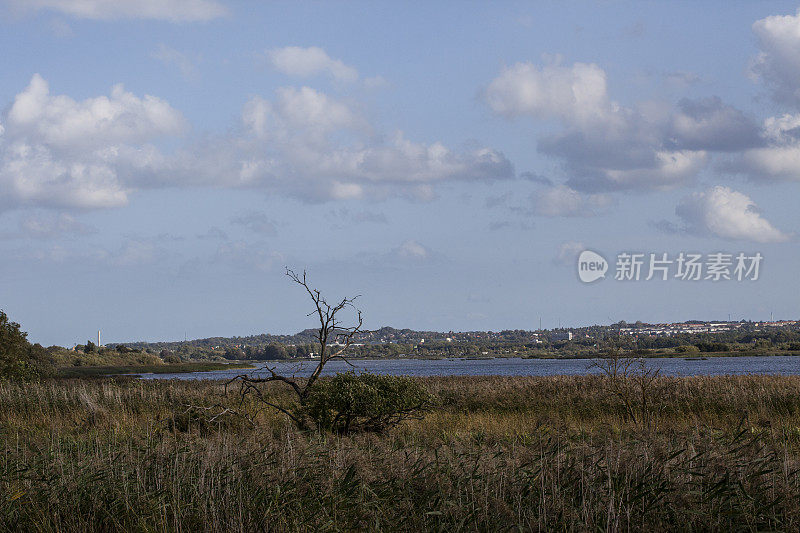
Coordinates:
[536,453]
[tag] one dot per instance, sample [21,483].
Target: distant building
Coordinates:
[561,336]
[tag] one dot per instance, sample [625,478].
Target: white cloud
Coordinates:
[311,61]
[709,124]
[606,146]
[172,57]
[562,201]
[59,152]
[63,122]
[729,214]
[411,249]
[775,162]
[171,10]
[302,110]
[670,170]
[778,63]
[346,191]
[576,94]
[307,144]
[33,175]
[778,66]
[780,158]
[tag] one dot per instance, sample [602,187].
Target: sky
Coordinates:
[163,162]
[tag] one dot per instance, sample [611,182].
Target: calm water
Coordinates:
[513,367]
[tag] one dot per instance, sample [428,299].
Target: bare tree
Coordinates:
[632,381]
[333,337]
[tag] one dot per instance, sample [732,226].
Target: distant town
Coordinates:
[658,339]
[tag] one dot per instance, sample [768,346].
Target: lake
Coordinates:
[713,366]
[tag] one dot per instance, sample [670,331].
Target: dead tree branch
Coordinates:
[333,338]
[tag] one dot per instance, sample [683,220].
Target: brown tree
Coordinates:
[333,339]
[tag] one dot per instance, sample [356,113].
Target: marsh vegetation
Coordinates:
[495,454]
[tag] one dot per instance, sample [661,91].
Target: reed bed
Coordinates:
[497,453]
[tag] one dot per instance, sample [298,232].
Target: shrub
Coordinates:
[687,348]
[365,402]
[712,347]
[19,359]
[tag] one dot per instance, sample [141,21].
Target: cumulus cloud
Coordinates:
[306,144]
[606,146]
[59,152]
[62,122]
[302,111]
[779,159]
[310,61]
[577,94]
[667,170]
[411,250]
[778,63]
[562,201]
[778,66]
[709,124]
[726,213]
[170,10]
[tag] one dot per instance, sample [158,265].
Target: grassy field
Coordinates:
[527,453]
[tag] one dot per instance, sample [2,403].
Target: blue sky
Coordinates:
[161,162]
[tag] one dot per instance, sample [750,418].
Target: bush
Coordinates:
[687,348]
[19,359]
[366,402]
[712,347]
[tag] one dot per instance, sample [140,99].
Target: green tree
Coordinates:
[274,352]
[19,359]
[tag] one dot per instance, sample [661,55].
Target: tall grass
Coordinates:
[536,453]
